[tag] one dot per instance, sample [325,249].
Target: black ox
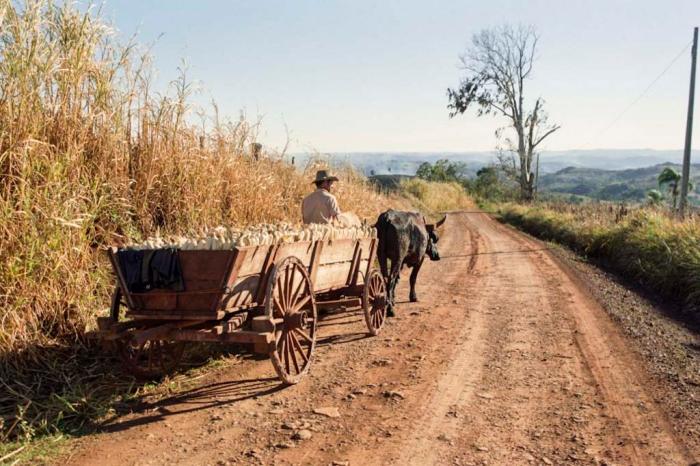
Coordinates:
[404,239]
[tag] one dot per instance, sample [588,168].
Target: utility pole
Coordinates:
[689,128]
[537,175]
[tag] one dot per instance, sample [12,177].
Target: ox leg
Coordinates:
[412,281]
[382,258]
[384,268]
[394,277]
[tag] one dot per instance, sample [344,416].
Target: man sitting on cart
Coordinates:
[321,206]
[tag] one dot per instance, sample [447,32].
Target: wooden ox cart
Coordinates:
[266,296]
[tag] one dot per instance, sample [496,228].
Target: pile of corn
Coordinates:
[223,238]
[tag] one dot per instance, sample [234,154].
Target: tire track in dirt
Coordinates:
[617,375]
[462,256]
[456,387]
[569,394]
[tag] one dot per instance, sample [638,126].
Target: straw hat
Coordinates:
[324,175]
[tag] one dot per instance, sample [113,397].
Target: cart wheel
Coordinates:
[374,301]
[290,300]
[152,358]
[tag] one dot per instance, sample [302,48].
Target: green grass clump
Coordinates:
[643,244]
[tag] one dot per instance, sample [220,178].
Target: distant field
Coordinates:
[576,183]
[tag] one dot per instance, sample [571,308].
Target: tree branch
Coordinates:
[550,131]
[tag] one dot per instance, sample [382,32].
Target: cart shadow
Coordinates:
[326,315]
[332,330]
[341,339]
[213,395]
[332,327]
[90,377]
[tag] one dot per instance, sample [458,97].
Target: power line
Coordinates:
[623,112]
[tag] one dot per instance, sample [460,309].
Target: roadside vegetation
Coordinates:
[644,244]
[435,197]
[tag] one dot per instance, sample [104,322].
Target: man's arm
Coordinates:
[333,208]
[304,219]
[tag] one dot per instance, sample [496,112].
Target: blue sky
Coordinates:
[371,76]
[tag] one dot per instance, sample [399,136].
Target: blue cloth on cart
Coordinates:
[151,269]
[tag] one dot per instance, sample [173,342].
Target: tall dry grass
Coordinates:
[644,244]
[91,155]
[435,197]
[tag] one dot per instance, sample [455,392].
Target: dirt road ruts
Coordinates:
[505,360]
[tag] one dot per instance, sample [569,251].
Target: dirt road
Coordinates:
[505,360]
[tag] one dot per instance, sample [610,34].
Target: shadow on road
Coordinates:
[332,330]
[207,396]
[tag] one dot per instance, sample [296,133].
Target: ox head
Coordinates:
[432,229]
[433,238]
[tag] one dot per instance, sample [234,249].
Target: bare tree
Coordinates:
[497,65]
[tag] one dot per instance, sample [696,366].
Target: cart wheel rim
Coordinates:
[152,358]
[374,302]
[290,302]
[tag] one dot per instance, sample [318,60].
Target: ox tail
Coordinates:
[382,227]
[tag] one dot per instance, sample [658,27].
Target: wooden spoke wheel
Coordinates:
[374,301]
[150,359]
[290,302]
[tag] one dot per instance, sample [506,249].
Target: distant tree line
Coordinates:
[489,183]
[442,171]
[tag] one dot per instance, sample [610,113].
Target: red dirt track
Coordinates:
[505,360]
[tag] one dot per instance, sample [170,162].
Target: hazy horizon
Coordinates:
[429,151]
[406,162]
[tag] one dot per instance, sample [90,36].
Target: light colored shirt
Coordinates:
[319,207]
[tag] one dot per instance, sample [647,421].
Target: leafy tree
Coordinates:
[670,179]
[497,65]
[443,170]
[425,171]
[487,183]
[654,197]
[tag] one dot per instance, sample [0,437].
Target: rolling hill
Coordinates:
[612,185]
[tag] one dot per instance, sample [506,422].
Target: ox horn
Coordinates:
[439,223]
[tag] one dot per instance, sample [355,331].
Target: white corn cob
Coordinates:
[227,238]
